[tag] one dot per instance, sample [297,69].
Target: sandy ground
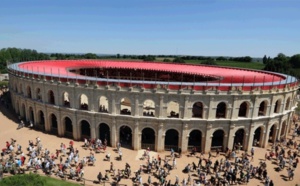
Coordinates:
[8,129]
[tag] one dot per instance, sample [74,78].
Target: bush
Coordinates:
[23,180]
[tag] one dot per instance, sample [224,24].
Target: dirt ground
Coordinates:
[8,129]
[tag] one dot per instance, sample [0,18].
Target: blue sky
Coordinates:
[175,27]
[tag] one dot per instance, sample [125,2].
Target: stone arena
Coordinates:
[155,105]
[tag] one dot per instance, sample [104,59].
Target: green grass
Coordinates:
[252,65]
[34,179]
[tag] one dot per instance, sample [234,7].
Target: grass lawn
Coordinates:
[34,179]
[251,65]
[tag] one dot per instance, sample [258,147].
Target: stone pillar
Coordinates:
[93,102]
[231,136]
[47,122]
[136,105]
[184,138]
[136,136]
[93,128]
[266,139]
[262,138]
[161,107]
[160,140]
[113,104]
[203,143]
[185,112]
[250,139]
[76,129]
[59,125]
[208,138]
[225,141]
[113,134]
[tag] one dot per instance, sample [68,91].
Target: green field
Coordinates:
[34,179]
[252,65]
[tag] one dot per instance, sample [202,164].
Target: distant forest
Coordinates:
[281,63]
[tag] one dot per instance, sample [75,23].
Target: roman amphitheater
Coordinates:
[155,105]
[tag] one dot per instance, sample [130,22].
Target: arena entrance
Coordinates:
[272,134]
[171,139]
[195,140]
[258,135]
[85,130]
[125,137]
[23,115]
[31,115]
[239,139]
[54,129]
[68,128]
[104,133]
[41,123]
[217,140]
[283,128]
[148,139]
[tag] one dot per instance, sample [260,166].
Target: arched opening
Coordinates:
[85,130]
[51,98]
[239,139]
[221,110]
[23,114]
[21,89]
[38,94]
[31,115]
[198,110]
[149,108]
[148,139]
[262,108]
[217,140]
[258,135]
[272,134]
[277,106]
[125,106]
[41,124]
[125,136]
[68,127]
[173,109]
[66,99]
[104,133]
[195,140]
[54,129]
[103,104]
[84,102]
[283,129]
[243,111]
[171,140]
[287,104]
[29,92]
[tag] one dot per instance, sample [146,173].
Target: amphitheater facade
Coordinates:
[212,110]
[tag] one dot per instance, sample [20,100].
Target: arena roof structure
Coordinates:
[221,77]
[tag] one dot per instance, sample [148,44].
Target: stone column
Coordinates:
[113,134]
[184,138]
[185,108]
[160,140]
[266,134]
[136,105]
[161,107]
[250,138]
[113,104]
[231,136]
[203,143]
[46,119]
[93,128]
[208,138]
[136,136]
[59,125]
[76,129]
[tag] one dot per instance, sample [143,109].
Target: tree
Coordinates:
[209,62]
[295,61]
[265,59]
[166,60]
[178,60]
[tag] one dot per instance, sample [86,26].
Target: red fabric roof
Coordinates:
[227,74]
